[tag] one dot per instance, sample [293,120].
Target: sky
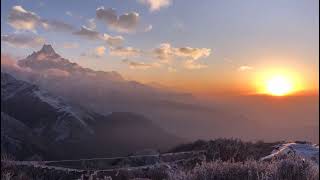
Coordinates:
[206,47]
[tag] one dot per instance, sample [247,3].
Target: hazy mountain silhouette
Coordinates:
[36,122]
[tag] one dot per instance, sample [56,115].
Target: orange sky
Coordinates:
[217,48]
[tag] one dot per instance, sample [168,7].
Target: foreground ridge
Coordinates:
[175,164]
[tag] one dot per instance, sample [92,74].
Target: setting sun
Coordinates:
[279,82]
[279,86]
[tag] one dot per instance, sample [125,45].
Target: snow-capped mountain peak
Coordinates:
[46,59]
[47,48]
[45,53]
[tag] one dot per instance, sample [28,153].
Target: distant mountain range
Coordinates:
[85,97]
[60,76]
[46,60]
[36,123]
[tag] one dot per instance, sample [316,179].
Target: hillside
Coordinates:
[62,130]
[217,159]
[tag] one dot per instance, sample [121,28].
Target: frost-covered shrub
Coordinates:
[6,157]
[289,168]
[229,149]
[294,167]
[237,150]
[6,175]
[158,172]
[225,170]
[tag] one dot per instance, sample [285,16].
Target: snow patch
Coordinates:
[306,150]
[61,107]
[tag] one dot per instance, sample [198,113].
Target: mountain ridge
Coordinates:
[68,131]
[47,59]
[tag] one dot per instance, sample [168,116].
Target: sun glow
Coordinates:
[279,86]
[278,82]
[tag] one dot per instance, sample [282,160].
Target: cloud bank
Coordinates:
[91,34]
[22,19]
[165,51]
[165,55]
[125,52]
[140,65]
[127,22]
[88,33]
[22,40]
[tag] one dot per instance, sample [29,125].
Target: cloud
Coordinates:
[91,23]
[21,19]
[165,53]
[88,33]
[54,72]
[155,5]
[245,68]
[70,45]
[193,53]
[7,60]
[95,35]
[56,25]
[113,40]
[127,22]
[8,63]
[191,64]
[125,52]
[100,51]
[140,65]
[22,40]
[108,15]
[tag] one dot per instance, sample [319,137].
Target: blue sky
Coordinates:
[249,33]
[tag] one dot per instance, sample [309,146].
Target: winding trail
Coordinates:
[43,164]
